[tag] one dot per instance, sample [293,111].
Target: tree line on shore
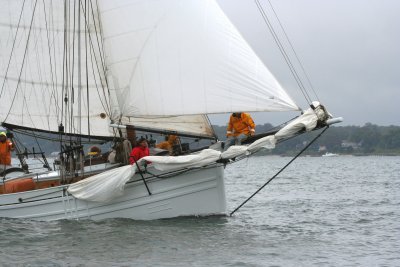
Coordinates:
[369,139]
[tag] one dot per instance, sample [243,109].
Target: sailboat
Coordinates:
[329,154]
[87,71]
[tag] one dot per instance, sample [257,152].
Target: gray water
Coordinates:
[336,211]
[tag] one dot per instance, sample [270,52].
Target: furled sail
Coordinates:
[182,57]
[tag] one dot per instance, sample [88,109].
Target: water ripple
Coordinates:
[340,211]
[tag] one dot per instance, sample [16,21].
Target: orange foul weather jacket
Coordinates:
[168,145]
[243,125]
[5,152]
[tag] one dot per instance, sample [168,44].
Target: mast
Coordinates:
[79,70]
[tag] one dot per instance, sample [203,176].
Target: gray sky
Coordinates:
[349,48]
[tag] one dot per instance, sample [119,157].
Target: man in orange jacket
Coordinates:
[6,146]
[240,124]
[169,143]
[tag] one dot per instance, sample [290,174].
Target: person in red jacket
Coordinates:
[240,125]
[6,146]
[140,151]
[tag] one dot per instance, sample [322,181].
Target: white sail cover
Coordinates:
[182,57]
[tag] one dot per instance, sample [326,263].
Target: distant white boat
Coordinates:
[328,154]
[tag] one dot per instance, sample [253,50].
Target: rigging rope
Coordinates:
[53,83]
[23,61]
[283,52]
[101,50]
[273,177]
[54,96]
[64,65]
[95,62]
[294,51]
[87,69]
[72,99]
[12,49]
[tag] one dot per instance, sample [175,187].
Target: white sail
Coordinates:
[178,57]
[197,125]
[33,85]
[171,58]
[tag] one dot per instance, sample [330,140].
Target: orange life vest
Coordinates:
[5,152]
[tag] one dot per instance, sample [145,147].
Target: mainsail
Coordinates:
[39,69]
[158,64]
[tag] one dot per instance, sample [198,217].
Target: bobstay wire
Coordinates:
[273,177]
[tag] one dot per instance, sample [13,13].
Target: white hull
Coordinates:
[195,192]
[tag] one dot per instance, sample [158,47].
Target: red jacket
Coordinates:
[138,153]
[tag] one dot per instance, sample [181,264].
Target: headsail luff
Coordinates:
[174,57]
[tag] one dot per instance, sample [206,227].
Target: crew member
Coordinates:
[169,143]
[240,125]
[6,146]
[140,151]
